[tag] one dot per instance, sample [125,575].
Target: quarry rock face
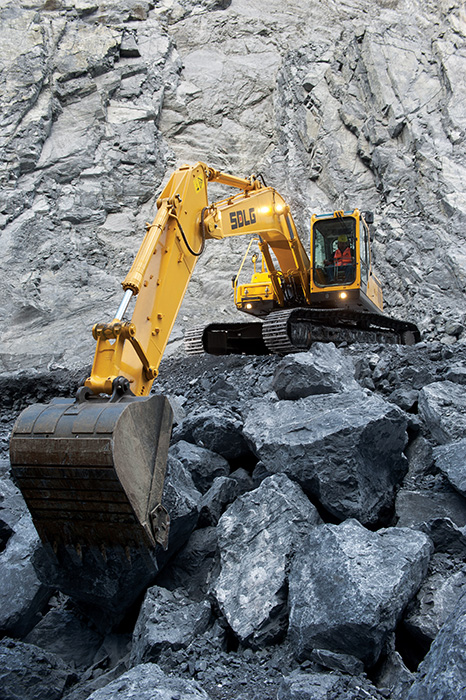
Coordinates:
[101,100]
[349,460]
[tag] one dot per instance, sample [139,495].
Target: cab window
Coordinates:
[334,242]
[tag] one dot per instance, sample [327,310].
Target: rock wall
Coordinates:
[337,104]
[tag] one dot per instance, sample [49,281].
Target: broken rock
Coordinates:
[149,682]
[322,370]
[29,673]
[442,673]
[451,460]
[167,620]
[442,408]
[349,586]
[258,534]
[203,465]
[350,460]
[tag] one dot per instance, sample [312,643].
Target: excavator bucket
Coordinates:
[92,471]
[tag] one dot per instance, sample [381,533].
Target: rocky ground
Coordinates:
[317,548]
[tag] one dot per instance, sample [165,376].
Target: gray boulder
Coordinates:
[394,676]
[321,370]
[441,676]
[446,536]
[181,499]
[223,491]
[149,682]
[322,686]
[346,450]
[451,461]
[258,534]
[218,430]
[203,465]
[416,508]
[22,594]
[195,566]
[30,673]
[442,408]
[349,587]
[167,620]
[436,600]
[63,632]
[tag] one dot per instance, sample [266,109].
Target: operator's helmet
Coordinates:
[343,239]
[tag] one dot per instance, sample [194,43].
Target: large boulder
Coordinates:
[441,676]
[149,682]
[195,566]
[436,600]
[258,534]
[203,465]
[22,594]
[223,491]
[167,620]
[217,429]
[65,633]
[416,508]
[322,370]
[442,408]
[30,673]
[300,685]
[349,587]
[346,450]
[451,460]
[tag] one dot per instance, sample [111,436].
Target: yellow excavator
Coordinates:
[92,469]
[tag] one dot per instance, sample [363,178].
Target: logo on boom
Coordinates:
[241,218]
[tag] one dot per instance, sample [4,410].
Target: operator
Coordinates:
[342,258]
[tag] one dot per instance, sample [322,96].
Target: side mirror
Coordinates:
[369,217]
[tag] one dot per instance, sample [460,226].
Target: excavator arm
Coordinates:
[128,353]
[92,469]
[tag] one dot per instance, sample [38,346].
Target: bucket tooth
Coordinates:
[92,472]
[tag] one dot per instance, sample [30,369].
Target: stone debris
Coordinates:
[265,527]
[442,673]
[167,619]
[222,603]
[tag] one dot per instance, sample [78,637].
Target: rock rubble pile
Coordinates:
[317,543]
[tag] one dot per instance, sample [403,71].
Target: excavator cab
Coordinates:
[335,251]
[341,275]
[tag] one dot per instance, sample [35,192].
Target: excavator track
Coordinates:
[294,330]
[226,339]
